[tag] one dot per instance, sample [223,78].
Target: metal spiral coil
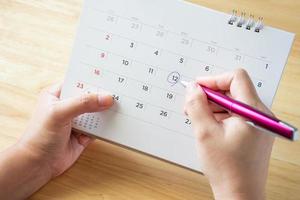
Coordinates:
[242,20]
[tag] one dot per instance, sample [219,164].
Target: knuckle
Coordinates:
[202,134]
[245,128]
[192,103]
[54,111]
[252,102]
[86,101]
[241,73]
[262,107]
[241,125]
[194,100]
[258,104]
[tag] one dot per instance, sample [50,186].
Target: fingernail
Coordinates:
[84,140]
[105,100]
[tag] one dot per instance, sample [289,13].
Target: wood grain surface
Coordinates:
[36,38]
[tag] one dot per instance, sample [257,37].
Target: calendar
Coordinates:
[140,50]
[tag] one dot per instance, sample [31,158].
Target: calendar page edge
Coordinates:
[136,150]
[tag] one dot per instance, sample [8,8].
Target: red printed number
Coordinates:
[97,72]
[102,55]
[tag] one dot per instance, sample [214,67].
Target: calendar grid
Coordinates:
[262,58]
[148,103]
[127,77]
[258,80]
[145,103]
[164,50]
[163,89]
[170,131]
[154,47]
[139,62]
[121,56]
[141,50]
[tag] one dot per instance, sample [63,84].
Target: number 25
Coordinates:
[139,105]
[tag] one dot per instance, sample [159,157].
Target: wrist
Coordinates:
[34,160]
[22,173]
[238,190]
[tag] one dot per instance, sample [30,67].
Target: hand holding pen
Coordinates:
[253,116]
[234,155]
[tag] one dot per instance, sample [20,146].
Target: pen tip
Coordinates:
[184,83]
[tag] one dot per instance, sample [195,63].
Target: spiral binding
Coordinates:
[248,22]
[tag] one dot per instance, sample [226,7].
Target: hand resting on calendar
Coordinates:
[48,146]
[235,155]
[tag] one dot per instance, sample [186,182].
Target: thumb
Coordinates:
[68,109]
[197,108]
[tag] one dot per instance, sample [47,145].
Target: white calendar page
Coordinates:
[139,50]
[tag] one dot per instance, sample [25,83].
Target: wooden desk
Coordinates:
[35,42]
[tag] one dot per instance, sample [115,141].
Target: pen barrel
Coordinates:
[263,120]
[257,117]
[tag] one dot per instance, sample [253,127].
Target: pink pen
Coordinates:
[255,116]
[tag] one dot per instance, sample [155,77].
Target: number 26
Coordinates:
[163,113]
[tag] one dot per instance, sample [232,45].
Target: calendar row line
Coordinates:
[187,67]
[173,96]
[112,20]
[158,54]
[153,95]
[171,83]
[133,68]
[145,111]
[198,55]
[170,90]
[92,122]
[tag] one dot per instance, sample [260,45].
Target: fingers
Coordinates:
[220,117]
[83,139]
[54,90]
[78,144]
[68,109]
[215,108]
[238,83]
[198,110]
